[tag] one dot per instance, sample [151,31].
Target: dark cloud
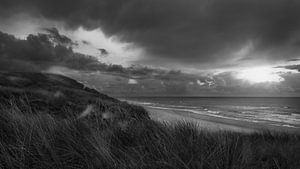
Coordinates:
[293,60]
[40,52]
[292,82]
[191,31]
[103,52]
[291,67]
[85,42]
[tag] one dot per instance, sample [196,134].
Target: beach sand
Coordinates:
[213,123]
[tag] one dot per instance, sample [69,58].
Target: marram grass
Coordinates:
[40,140]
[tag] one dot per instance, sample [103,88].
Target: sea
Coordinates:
[276,111]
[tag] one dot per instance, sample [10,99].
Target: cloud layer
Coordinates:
[194,32]
[51,49]
[42,51]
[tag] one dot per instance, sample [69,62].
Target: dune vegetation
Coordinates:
[50,121]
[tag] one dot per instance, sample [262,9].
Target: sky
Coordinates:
[250,40]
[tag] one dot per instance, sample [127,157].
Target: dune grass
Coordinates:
[50,121]
[41,140]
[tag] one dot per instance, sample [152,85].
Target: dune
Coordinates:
[52,121]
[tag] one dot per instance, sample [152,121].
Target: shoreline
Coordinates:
[211,123]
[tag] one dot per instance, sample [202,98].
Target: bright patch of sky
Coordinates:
[262,74]
[118,52]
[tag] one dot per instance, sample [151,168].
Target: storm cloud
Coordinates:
[42,51]
[218,32]
[291,67]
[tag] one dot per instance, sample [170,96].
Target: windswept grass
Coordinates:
[79,129]
[33,140]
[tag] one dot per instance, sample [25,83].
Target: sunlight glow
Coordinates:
[259,75]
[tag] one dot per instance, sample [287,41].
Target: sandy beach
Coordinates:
[213,123]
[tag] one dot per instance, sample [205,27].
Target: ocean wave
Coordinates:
[201,112]
[266,116]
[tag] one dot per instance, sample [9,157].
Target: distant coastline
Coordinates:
[213,123]
[244,114]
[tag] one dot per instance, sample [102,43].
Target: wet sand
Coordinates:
[213,123]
